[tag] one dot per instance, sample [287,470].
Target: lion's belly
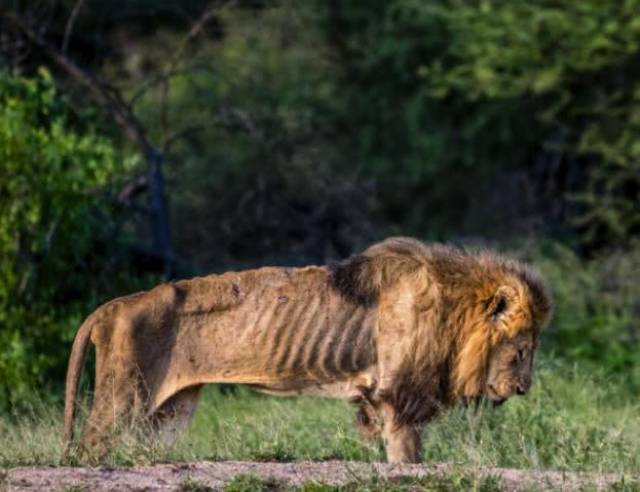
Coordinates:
[353,387]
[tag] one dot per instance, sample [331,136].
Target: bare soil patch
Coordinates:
[217,474]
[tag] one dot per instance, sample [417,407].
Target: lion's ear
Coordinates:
[500,302]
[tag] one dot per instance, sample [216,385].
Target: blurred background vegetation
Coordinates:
[149,139]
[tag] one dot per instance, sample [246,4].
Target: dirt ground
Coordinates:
[217,474]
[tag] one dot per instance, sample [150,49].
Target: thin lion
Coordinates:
[404,329]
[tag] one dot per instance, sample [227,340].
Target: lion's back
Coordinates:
[276,324]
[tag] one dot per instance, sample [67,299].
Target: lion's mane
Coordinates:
[448,351]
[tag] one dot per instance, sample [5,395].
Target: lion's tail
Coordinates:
[74,373]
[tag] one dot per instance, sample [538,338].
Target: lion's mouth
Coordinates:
[496,398]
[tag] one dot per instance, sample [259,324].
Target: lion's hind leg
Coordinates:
[174,415]
[115,408]
[120,402]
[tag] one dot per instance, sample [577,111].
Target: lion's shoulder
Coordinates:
[382,266]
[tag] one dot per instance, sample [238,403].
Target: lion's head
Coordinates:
[510,368]
[498,343]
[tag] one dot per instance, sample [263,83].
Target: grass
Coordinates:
[453,482]
[191,485]
[571,420]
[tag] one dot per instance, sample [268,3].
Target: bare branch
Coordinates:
[132,189]
[170,68]
[69,28]
[207,14]
[150,82]
[174,137]
[100,90]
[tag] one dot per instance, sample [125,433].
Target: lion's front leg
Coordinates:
[402,442]
[368,421]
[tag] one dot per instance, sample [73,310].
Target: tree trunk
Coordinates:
[159,213]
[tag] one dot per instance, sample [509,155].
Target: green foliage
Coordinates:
[53,173]
[596,308]
[318,125]
[260,179]
[573,66]
[542,91]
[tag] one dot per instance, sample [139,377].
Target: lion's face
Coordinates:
[510,368]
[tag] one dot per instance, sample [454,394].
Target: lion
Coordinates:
[404,330]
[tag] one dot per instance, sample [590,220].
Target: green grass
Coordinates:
[452,482]
[191,485]
[571,420]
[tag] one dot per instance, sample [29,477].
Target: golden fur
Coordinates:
[404,329]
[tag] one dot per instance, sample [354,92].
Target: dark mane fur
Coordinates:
[349,278]
[360,278]
[418,398]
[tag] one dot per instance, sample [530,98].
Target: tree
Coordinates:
[55,212]
[123,114]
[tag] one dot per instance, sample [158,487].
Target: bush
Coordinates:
[535,103]
[597,308]
[55,239]
[572,71]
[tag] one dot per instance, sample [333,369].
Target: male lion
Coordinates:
[404,329]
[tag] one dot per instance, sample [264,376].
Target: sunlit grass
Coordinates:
[453,481]
[572,420]
[32,437]
[250,426]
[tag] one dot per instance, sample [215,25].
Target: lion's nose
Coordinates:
[520,389]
